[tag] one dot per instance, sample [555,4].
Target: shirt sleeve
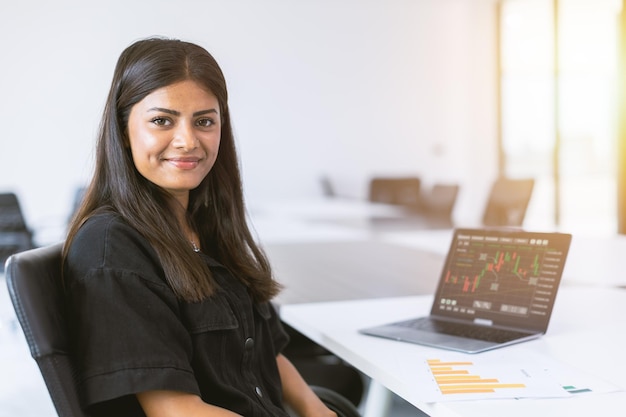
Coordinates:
[125,322]
[129,337]
[279,335]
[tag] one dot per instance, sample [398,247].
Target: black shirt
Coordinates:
[131,334]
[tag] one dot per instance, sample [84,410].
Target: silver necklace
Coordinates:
[195,248]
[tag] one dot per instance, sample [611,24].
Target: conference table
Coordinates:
[355,260]
[593,259]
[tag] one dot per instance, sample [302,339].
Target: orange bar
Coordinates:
[467,391]
[465,381]
[464,377]
[485,386]
[437,362]
[450,372]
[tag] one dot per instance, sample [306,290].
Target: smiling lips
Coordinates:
[184,163]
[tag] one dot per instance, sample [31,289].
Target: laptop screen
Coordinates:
[502,277]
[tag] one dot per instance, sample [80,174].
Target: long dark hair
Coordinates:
[216,207]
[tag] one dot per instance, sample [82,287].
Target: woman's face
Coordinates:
[174,135]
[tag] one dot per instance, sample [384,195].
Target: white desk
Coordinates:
[324,209]
[348,216]
[348,270]
[586,332]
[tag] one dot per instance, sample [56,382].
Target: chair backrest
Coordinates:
[34,281]
[440,199]
[436,205]
[79,195]
[328,190]
[402,191]
[11,219]
[14,234]
[508,201]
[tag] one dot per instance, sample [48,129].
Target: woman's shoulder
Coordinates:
[98,223]
[106,240]
[104,230]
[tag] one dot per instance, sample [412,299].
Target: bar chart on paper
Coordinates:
[451,378]
[457,378]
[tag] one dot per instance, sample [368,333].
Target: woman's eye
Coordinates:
[205,122]
[160,121]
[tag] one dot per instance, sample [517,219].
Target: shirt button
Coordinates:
[258,391]
[249,344]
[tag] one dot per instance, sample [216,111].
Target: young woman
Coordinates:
[168,291]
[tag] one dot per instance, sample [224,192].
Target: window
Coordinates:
[560,126]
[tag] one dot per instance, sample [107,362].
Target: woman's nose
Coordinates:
[185,137]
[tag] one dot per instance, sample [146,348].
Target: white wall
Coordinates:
[348,88]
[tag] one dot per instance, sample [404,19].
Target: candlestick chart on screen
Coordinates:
[518,278]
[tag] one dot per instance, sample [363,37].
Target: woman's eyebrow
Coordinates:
[201,112]
[164,110]
[177,113]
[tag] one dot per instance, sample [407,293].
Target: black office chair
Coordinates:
[15,236]
[79,195]
[508,201]
[33,278]
[321,368]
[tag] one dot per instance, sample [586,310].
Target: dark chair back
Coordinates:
[402,191]
[508,201]
[11,219]
[34,281]
[440,199]
[14,234]
[437,204]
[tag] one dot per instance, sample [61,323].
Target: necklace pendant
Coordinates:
[195,248]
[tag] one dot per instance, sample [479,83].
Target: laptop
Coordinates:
[497,288]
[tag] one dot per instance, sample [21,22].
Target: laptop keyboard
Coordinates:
[477,332]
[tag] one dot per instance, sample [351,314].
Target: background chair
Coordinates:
[429,208]
[34,281]
[328,189]
[14,234]
[437,204]
[401,191]
[79,195]
[508,201]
